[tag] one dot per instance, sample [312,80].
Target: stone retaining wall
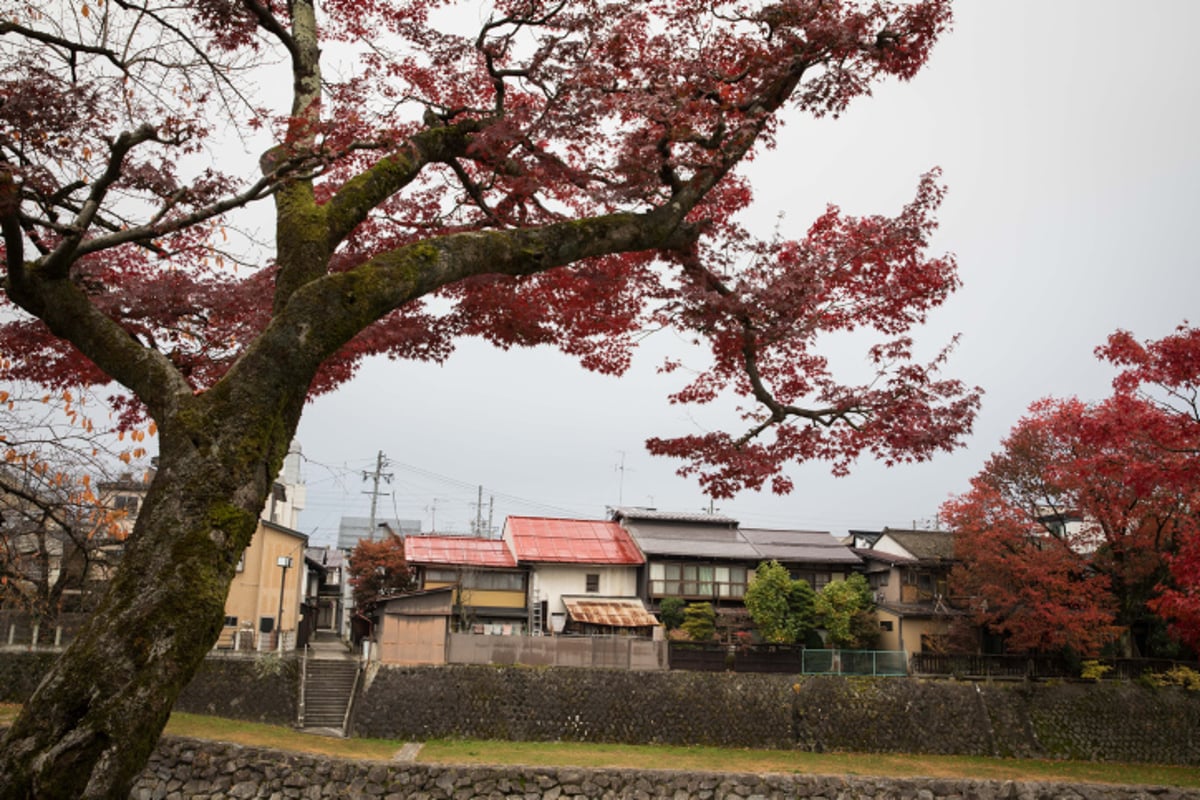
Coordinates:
[257,688]
[185,768]
[260,688]
[1103,722]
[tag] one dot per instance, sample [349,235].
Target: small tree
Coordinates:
[782,608]
[54,529]
[379,570]
[842,607]
[700,621]
[670,612]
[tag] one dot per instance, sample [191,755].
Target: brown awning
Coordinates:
[615,612]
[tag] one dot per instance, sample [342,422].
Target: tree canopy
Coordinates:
[1083,528]
[782,608]
[378,570]
[843,610]
[564,173]
[600,135]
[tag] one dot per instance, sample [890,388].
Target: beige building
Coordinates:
[908,570]
[262,611]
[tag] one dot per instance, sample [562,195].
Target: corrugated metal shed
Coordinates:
[810,547]
[614,612]
[467,551]
[694,541]
[570,541]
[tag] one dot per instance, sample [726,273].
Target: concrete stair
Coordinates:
[328,690]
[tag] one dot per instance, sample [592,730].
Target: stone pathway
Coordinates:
[408,753]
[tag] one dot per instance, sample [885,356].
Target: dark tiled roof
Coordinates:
[886,558]
[638,513]
[799,546]
[921,610]
[925,545]
[328,557]
[691,541]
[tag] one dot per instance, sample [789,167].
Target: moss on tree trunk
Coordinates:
[94,720]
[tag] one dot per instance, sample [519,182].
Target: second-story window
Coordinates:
[592,582]
[126,503]
[697,580]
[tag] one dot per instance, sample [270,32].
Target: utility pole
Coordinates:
[620,469]
[479,512]
[375,477]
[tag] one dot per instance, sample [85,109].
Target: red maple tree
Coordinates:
[1083,528]
[1164,374]
[378,570]
[562,174]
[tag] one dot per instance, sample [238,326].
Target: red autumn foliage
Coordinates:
[1084,526]
[1165,374]
[554,173]
[379,570]
[546,113]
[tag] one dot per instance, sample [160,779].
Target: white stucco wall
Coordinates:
[887,544]
[551,581]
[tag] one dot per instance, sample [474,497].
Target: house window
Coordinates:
[494,581]
[885,625]
[592,582]
[709,581]
[126,503]
[817,580]
[231,622]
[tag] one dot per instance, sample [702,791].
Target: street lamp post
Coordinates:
[284,562]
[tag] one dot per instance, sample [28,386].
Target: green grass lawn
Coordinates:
[682,758]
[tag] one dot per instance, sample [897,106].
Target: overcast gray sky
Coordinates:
[1068,133]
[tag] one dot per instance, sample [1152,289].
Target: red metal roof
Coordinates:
[571,541]
[466,551]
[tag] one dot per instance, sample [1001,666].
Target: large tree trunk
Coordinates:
[95,718]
